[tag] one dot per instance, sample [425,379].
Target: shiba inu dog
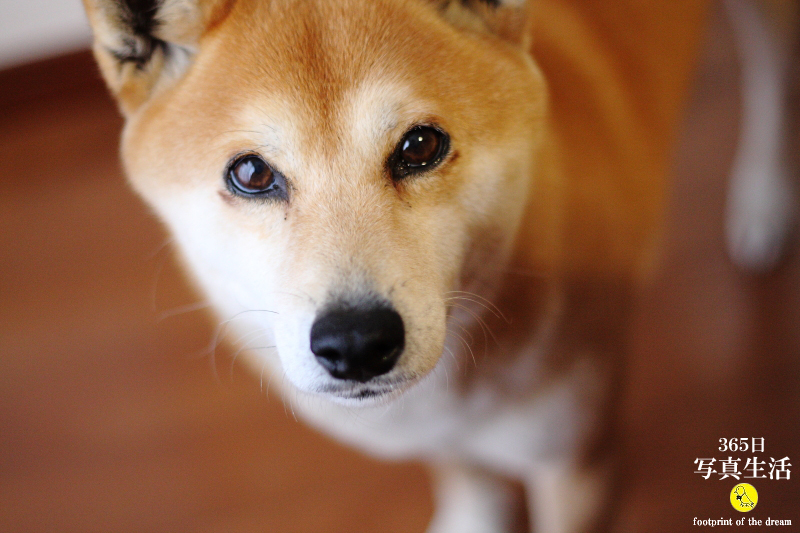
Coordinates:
[436,210]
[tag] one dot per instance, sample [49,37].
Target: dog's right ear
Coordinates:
[144,44]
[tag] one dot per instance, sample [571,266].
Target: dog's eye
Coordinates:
[423,147]
[252,176]
[420,147]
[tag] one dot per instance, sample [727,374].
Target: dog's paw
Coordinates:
[760,218]
[468,524]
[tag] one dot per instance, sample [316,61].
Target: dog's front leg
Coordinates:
[470,500]
[566,499]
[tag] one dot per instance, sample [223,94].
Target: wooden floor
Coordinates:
[113,418]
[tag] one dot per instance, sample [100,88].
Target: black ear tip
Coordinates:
[140,15]
[138,42]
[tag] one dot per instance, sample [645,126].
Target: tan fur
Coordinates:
[545,213]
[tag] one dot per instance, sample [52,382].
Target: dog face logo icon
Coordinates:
[744,497]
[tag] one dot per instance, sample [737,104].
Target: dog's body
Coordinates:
[510,259]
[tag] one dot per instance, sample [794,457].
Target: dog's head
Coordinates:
[330,168]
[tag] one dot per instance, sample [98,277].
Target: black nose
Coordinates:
[358,344]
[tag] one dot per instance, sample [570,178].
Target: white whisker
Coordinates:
[484,326]
[182,309]
[480,300]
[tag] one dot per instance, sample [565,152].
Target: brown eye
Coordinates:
[420,147]
[252,176]
[423,147]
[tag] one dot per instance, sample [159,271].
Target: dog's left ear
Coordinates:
[509,20]
[143,44]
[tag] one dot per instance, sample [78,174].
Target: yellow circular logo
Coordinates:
[744,497]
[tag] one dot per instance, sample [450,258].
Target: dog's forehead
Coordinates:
[324,44]
[322,62]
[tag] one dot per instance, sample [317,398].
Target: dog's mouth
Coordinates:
[355,393]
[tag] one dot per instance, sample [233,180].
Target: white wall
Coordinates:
[36,29]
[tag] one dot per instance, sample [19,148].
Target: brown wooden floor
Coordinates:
[112,420]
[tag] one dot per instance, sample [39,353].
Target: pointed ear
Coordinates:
[509,20]
[142,44]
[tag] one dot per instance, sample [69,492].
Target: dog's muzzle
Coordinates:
[357,344]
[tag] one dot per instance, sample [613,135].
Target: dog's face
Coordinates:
[330,169]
